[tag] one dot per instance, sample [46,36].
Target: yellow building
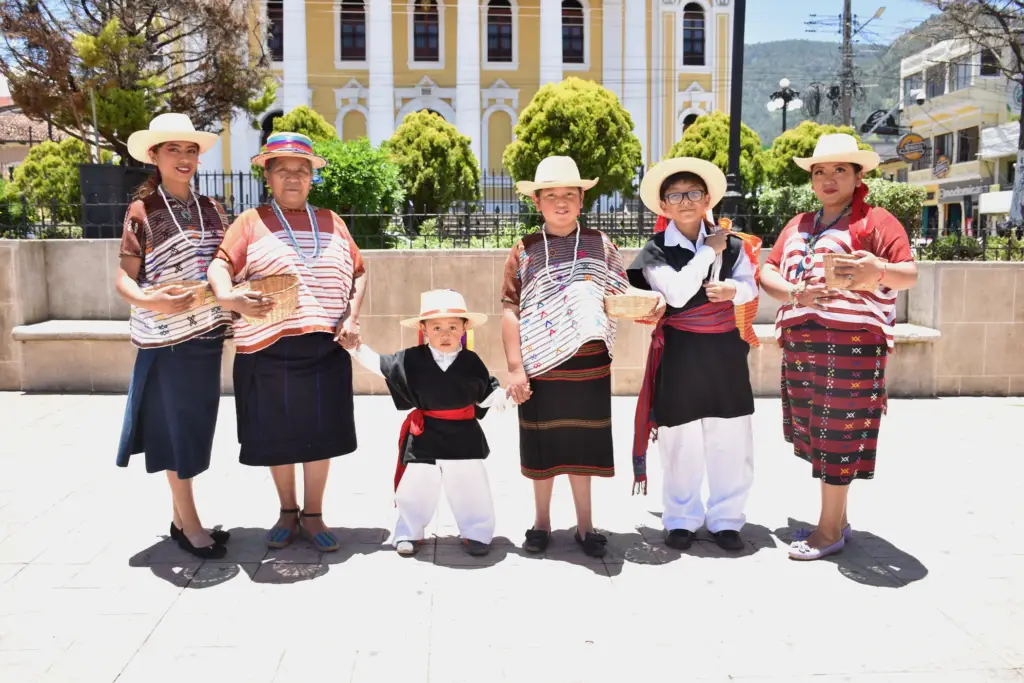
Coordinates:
[953,94]
[364,65]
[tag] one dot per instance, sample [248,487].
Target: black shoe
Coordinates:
[593,544]
[217,535]
[536,540]
[680,539]
[476,548]
[215,551]
[728,540]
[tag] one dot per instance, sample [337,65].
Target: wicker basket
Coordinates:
[199,288]
[833,281]
[633,305]
[283,289]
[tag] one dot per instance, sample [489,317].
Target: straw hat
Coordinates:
[837,148]
[650,187]
[167,128]
[443,303]
[555,172]
[294,145]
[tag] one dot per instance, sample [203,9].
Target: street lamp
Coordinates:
[785,99]
[732,202]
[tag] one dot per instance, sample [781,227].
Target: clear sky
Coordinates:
[769,20]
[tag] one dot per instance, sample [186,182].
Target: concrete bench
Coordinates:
[97,356]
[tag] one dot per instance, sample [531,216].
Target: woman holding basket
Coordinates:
[301,281]
[836,336]
[170,236]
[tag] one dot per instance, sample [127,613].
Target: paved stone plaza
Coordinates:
[932,588]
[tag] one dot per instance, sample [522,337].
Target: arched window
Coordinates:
[426,32]
[267,127]
[689,121]
[353,31]
[499,31]
[573,28]
[693,35]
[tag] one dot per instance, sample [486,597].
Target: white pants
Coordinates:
[726,448]
[468,492]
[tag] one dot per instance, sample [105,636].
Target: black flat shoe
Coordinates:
[728,540]
[218,535]
[680,539]
[215,551]
[536,540]
[593,544]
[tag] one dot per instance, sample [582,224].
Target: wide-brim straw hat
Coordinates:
[295,145]
[839,148]
[555,172]
[444,303]
[650,186]
[167,128]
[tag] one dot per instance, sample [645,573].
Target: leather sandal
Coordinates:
[280,536]
[324,541]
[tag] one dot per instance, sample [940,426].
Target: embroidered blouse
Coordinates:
[559,286]
[874,310]
[257,245]
[169,253]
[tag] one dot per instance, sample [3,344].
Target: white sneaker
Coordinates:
[406,548]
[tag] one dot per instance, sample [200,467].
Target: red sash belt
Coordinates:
[710,318]
[414,425]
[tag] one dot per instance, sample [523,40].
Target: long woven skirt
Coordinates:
[833,399]
[173,399]
[566,426]
[294,401]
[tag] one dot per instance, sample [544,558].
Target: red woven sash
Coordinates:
[414,425]
[710,318]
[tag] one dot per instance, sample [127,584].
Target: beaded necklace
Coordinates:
[807,262]
[288,228]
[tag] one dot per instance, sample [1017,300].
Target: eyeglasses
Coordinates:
[692,195]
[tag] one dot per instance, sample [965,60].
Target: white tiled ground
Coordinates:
[931,590]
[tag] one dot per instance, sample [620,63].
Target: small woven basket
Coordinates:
[199,288]
[833,281]
[283,289]
[633,305]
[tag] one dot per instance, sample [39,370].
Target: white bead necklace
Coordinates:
[199,210]
[547,254]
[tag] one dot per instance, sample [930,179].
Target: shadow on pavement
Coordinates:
[248,553]
[867,559]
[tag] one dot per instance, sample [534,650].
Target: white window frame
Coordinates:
[264,19]
[485,63]
[709,38]
[585,66]
[343,65]
[425,66]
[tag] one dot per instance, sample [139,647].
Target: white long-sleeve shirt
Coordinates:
[679,286]
[370,360]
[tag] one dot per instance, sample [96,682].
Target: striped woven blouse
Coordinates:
[169,253]
[875,310]
[257,245]
[559,286]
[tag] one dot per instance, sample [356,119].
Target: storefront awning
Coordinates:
[995,202]
[999,141]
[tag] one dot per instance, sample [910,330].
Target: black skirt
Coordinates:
[566,426]
[172,406]
[294,401]
[702,375]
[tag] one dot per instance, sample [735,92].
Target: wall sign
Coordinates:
[968,188]
[911,147]
[941,169]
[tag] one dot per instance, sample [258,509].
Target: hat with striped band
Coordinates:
[294,145]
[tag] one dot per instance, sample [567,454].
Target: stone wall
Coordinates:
[975,306]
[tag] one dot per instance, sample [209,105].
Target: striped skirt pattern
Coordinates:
[566,426]
[833,399]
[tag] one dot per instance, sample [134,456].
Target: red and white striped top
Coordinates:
[257,245]
[883,236]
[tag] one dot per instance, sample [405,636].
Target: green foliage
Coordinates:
[954,247]
[358,179]
[437,164]
[305,121]
[47,181]
[582,120]
[779,168]
[708,139]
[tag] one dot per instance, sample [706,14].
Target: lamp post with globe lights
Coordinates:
[786,99]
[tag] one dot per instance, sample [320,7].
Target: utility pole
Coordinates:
[732,204]
[846,79]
